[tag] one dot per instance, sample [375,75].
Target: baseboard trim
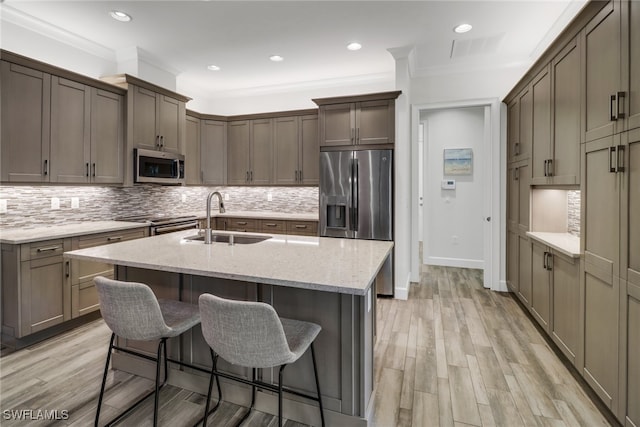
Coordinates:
[455,262]
[402,292]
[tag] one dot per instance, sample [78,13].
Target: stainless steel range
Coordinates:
[163,224]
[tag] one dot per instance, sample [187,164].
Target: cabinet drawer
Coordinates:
[44,249]
[84,299]
[242,224]
[100,239]
[274,227]
[309,228]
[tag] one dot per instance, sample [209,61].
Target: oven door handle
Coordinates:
[170,228]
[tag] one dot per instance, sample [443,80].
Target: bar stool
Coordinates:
[250,334]
[132,311]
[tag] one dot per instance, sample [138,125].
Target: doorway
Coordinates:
[457,198]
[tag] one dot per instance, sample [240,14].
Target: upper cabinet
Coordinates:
[158,120]
[192,171]
[358,120]
[631,69]
[249,152]
[59,129]
[296,150]
[26,95]
[213,152]
[520,125]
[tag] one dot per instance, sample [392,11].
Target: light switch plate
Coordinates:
[269,196]
[55,203]
[226,196]
[75,202]
[3,206]
[448,184]
[184,198]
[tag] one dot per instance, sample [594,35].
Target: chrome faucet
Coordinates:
[207,232]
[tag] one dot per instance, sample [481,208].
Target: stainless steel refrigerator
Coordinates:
[356,200]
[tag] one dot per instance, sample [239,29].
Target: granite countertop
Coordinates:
[565,243]
[257,214]
[27,235]
[327,264]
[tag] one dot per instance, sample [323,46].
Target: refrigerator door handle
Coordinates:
[354,195]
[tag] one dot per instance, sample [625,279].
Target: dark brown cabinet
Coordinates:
[213,152]
[359,120]
[520,126]
[192,170]
[249,152]
[296,154]
[158,120]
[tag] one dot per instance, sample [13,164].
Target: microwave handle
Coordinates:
[176,163]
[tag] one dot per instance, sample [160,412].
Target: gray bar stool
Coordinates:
[250,334]
[132,311]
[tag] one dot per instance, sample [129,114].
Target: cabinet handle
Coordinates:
[300,175]
[251,176]
[158,141]
[517,149]
[550,167]
[114,238]
[270,224]
[94,170]
[301,226]
[620,115]
[544,260]
[87,165]
[353,133]
[612,104]
[612,154]
[357,135]
[241,223]
[49,249]
[546,164]
[46,167]
[296,174]
[68,270]
[620,158]
[247,178]
[162,141]
[549,261]
[516,174]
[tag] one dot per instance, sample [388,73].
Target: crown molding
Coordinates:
[21,19]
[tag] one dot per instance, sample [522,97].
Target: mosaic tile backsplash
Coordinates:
[573,212]
[30,206]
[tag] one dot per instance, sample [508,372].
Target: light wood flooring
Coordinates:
[453,354]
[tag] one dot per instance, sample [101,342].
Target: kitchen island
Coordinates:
[323,280]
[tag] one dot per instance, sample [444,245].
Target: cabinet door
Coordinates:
[540,284]
[565,167]
[513,128]
[513,198]
[193,173]
[261,152]
[525,141]
[541,111]
[171,113]
[26,103]
[309,150]
[213,152]
[524,196]
[145,130]
[630,231]
[566,304]
[375,122]
[632,24]
[70,131]
[107,137]
[512,261]
[285,150]
[602,71]
[631,386]
[337,124]
[524,270]
[238,153]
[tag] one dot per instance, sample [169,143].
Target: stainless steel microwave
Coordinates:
[158,167]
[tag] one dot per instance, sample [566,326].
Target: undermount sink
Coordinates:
[240,239]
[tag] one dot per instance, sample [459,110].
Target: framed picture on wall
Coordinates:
[458,161]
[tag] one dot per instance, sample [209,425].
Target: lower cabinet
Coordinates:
[306,228]
[273,226]
[270,226]
[35,287]
[524,270]
[84,297]
[541,284]
[631,383]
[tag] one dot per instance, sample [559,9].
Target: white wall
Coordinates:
[453,228]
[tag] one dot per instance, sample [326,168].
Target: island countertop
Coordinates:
[346,266]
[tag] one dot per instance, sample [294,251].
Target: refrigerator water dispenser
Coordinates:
[336,216]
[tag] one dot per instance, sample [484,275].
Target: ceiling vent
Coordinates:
[478,46]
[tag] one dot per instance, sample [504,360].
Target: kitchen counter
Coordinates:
[564,243]
[327,281]
[28,235]
[327,264]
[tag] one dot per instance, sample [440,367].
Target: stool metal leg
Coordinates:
[280,395]
[104,379]
[253,396]
[162,344]
[214,367]
[315,372]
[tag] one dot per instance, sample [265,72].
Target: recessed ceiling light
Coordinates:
[354,46]
[276,58]
[213,68]
[120,16]
[463,28]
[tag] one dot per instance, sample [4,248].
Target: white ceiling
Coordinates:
[184,37]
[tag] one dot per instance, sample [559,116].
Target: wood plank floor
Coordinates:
[453,354]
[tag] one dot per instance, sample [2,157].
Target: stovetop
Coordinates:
[157,219]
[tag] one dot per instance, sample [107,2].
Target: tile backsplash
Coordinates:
[573,212]
[30,206]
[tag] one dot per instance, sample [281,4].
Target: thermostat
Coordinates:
[448,184]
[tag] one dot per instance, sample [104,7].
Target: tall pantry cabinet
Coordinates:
[584,99]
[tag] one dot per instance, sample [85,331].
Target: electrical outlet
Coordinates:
[3,206]
[75,202]
[184,198]
[55,203]
[226,197]
[269,196]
